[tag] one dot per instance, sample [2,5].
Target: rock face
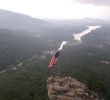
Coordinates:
[66,88]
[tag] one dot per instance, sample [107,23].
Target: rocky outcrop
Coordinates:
[66,88]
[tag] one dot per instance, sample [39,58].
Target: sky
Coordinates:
[59,9]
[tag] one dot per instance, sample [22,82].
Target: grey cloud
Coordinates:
[95,2]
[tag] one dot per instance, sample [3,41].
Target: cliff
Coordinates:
[66,88]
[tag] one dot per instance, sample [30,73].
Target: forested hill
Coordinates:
[27,44]
[20,22]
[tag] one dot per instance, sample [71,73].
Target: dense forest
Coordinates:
[25,55]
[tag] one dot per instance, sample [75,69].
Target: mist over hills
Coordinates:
[26,25]
[26,45]
[20,22]
[17,21]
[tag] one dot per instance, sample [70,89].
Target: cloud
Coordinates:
[95,2]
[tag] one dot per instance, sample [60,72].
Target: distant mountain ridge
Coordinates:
[17,21]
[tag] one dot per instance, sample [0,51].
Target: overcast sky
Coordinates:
[59,9]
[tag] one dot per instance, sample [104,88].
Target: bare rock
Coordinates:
[66,88]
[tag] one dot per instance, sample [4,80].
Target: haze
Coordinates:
[58,9]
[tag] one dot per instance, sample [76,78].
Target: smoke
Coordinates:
[77,37]
[62,44]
